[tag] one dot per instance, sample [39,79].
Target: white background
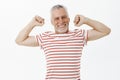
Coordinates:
[100,59]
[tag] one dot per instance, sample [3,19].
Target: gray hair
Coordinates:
[58,7]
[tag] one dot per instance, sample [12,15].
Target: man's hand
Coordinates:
[79,20]
[23,37]
[38,21]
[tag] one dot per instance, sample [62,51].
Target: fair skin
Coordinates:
[60,20]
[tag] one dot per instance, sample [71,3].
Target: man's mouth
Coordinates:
[62,25]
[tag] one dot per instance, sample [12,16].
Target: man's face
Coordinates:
[60,20]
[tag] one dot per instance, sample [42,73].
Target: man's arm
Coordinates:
[23,37]
[98,30]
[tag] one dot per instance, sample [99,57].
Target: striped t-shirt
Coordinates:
[63,53]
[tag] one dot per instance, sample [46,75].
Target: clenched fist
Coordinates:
[38,21]
[79,20]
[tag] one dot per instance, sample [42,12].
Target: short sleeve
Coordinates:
[85,35]
[82,33]
[39,39]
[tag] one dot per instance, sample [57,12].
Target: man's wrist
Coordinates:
[32,23]
[86,20]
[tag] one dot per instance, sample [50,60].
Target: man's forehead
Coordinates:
[59,12]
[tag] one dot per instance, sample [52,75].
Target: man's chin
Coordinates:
[62,29]
[62,32]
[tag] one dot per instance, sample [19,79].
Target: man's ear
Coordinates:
[69,19]
[51,22]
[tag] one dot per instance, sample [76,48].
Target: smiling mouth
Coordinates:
[62,25]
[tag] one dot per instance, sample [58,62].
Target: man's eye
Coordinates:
[64,17]
[56,18]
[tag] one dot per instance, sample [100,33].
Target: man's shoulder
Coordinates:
[53,33]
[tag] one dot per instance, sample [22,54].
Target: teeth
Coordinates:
[61,25]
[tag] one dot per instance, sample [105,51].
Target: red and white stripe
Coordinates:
[63,53]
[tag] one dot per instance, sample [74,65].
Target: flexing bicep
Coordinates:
[94,35]
[30,41]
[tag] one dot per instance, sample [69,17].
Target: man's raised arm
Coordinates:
[23,37]
[98,30]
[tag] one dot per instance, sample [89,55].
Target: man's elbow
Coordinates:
[108,31]
[18,42]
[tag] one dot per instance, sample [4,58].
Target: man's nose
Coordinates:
[60,20]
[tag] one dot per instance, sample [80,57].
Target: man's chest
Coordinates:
[63,44]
